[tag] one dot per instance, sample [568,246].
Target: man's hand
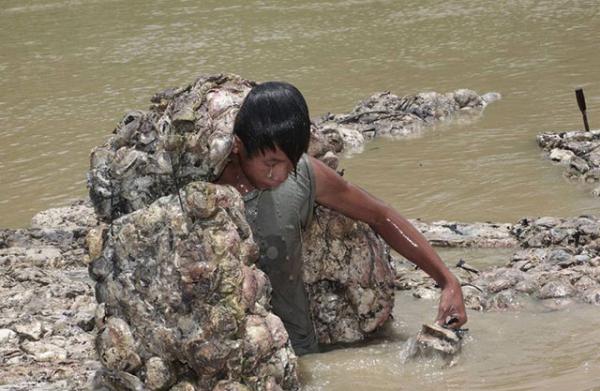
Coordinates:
[451,311]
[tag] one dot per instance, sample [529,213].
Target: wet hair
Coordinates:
[274,114]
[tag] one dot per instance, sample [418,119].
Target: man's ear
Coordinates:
[237,145]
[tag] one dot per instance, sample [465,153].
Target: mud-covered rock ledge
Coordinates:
[455,234]
[557,262]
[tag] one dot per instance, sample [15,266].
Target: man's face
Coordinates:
[266,170]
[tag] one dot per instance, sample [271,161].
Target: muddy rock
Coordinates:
[434,341]
[557,261]
[455,234]
[56,238]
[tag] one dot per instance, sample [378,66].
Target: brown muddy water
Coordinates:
[71,68]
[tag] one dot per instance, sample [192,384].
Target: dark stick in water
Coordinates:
[581,103]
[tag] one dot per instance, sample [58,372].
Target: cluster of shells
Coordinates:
[181,304]
[578,151]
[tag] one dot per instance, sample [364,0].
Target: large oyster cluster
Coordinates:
[348,277]
[185,136]
[181,304]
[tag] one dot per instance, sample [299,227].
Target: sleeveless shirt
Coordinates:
[277,218]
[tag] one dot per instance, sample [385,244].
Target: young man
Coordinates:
[280,184]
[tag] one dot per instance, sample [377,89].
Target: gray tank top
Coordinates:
[277,218]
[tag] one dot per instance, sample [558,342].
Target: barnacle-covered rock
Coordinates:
[578,151]
[183,302]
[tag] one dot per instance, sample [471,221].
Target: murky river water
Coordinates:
[71,68]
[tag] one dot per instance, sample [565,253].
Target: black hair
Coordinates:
[274,114]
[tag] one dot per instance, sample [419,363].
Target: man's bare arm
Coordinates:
[336,193]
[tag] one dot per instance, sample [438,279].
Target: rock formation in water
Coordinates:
[348,277]
[386,114]
[452,234]
[578,151]
[186,136]
[559,262]
[46,293]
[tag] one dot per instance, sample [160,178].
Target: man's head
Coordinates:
[274,115]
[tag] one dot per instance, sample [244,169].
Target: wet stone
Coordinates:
[563,156]
[556,289]
[560,256]
[592,296]
[31,329]
[434,340]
